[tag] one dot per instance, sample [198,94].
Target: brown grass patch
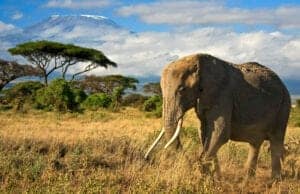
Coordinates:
[102,152]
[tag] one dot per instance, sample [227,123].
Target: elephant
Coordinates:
[240,102]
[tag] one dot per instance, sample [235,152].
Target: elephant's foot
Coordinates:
[250,176]
[276,177]
[210,168]
[250,172]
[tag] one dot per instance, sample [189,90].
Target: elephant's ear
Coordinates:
[213,76]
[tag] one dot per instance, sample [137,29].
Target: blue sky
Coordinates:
[238,31]
[26,13]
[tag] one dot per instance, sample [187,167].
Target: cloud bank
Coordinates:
[145,54]
[211,12]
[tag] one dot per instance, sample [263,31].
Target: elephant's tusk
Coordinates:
[155,142]
[175,134]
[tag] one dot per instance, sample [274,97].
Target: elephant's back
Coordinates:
[260,78]
[258,95]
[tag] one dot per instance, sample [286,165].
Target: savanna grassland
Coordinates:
[102,152]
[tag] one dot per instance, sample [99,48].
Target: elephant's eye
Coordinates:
[181,89]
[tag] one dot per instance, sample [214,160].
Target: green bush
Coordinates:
[116,97]
[153,105]
[59,95]
[96,101]
[21,93]
[80,95]
[298,103]
[134,100]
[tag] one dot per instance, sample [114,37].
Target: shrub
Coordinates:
[80,95]
[21,93]
[298,103]
[154,105]
[116,97]
[135,100]
[96,101]
[59,95]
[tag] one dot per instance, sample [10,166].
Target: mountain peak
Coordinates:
[97,17]
[73,28]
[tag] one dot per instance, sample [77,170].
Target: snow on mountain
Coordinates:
[75,28]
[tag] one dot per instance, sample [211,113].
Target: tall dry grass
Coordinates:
[102,152]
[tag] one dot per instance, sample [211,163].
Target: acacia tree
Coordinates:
[50,56]
[10,70]
[107,84]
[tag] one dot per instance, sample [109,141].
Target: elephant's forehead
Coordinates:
[180,66]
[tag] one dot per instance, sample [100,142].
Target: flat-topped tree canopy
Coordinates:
[50,56]
[107,84]
[10,70]
[80,54]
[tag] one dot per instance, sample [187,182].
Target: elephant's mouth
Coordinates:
[174,137]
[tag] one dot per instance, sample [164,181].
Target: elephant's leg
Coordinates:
[276,154]
[252,158]
[277,141]
[201,130]
[217,134]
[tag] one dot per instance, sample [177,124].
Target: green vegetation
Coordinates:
[106,84]
[111,85]
[58,95]
[22,93]
[96,101]
[134,100]
[153,105]
[294,119]
[298,103]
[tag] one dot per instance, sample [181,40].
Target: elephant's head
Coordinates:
[180,89]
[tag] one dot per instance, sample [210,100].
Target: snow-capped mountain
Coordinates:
[68,28]
[81,28]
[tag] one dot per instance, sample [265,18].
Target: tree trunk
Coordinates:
[45,75]
[46,80]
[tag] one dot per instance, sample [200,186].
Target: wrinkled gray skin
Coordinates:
[246,102]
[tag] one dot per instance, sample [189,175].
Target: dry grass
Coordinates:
[102,152]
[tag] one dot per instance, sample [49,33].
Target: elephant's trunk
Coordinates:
[170,123]
[172,117]
[176,134]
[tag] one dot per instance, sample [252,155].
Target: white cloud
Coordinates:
[78,4]
[6,27]
[145,54]
[211,12]
[17,16]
